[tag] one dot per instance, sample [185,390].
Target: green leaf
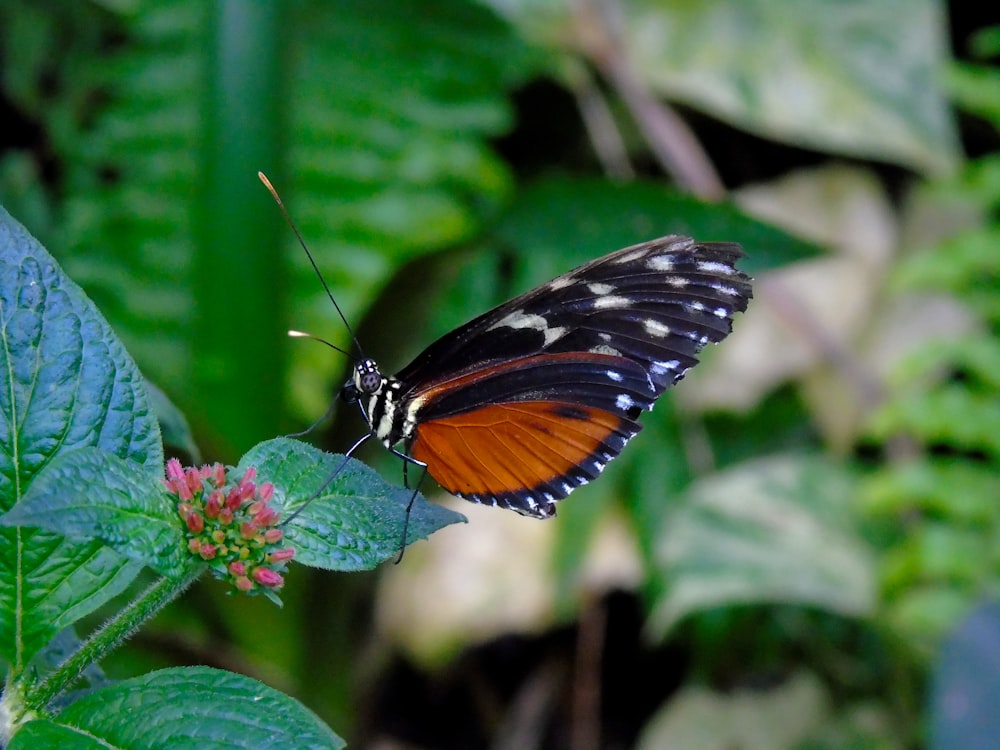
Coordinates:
[187,708]
[356,521]
[66,383]
[772,530]
[951,415]
[859,77]
[778,717]
[93,494]
[585,218]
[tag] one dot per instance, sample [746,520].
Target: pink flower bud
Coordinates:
[234,499]
[237,568]
[214,504]
[267,516]
[195,522]
[281,554]
[193,480]
[174,469]
[267,577]
[243,583]
[207,551]
[219,475]
[248,529]
[266,491]
[181,489]
[273,536]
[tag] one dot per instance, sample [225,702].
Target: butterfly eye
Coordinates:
[367,377]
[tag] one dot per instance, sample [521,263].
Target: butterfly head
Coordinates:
[367,380]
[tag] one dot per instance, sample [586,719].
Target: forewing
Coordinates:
[657,304]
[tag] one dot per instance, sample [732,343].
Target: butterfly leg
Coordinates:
[407,460]
[329,479]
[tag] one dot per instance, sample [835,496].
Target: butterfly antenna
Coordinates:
[326,287]
[304,335]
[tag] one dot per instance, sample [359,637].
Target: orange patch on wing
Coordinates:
[503,448]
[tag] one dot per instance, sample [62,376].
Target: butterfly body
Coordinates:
[533,398]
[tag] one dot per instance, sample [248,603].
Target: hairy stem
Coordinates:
[109,636]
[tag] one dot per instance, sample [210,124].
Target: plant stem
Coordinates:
[110,635]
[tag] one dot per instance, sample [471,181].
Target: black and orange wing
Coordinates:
[525,433]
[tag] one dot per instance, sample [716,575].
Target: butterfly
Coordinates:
[532,399]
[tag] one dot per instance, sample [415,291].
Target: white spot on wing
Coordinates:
[656,328]
[624,402]
[519,319]
[602,349]
[661,263]
[720,312]
[615,376]
[714,266]
[598,288]
[611,301]
[661,368]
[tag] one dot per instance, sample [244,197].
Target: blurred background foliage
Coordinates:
[802,548]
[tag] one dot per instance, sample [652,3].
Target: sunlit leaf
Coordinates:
[766,531]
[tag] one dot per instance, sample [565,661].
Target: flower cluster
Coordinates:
[232,528]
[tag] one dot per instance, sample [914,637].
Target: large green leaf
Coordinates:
[190,708]
[340,514]
[66,383]
[859,77]
[777,530]
[93,494]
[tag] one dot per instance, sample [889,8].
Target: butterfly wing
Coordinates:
[533,398]
[657,303]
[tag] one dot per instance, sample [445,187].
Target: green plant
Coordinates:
[87,507]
